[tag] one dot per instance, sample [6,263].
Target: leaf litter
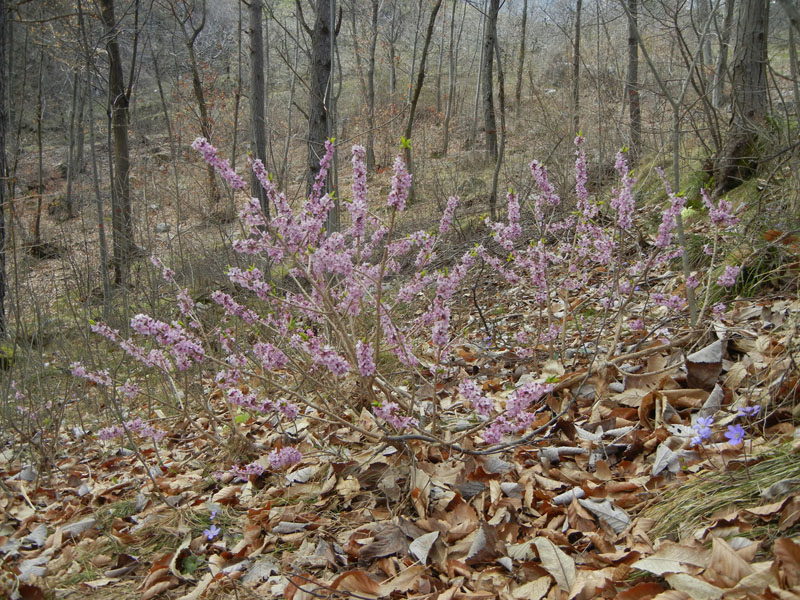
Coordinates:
[610,500]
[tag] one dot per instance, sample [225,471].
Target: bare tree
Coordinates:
[721,66]
[418,86]
[487,80]
[3,170]
[257,118]
[521,59]
[576,68]
[119,100]
[320,72]
[191,30]
[632,82]
[373,42]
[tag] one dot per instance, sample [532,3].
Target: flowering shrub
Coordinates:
[288,346]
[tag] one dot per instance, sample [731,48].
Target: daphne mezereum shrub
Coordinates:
[318,340]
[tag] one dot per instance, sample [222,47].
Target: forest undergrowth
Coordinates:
[561,410]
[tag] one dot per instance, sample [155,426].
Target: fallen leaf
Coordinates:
[556,562]
[606,511]
[421,546]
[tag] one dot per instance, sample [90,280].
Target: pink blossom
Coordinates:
[401,184]
[720,215]
[622,198]
[470,390]
[366,359]
[285,457]
[388,412]
[728,278]
[222,166]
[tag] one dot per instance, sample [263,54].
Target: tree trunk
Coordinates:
[371,87]
[257,119]
[474,131]
[321,60]
[576,69]
[632,83]
[792,12]
[418,88]
[487,79]
[69,201]
[121,219]
[3,170]
[501,99]
[451,76]
[721,66]
[521,59]
[739,156]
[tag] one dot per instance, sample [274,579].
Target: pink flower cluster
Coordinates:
[222,166]
[388,411]
[284,458]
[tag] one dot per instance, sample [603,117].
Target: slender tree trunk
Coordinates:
[101,232]
[501,99]
[362,81]
[439,64]
[479,80]
[3,170]
[632,83]
[371,87]
[121,218]
[451,82]
[321,60]
[418,88]
[237,94]
[521,59]
[205,121]
[792,12]
[721,66]
[795,72]
[487,79]
[69,200]
[576,69]
[257,119]
[37,222]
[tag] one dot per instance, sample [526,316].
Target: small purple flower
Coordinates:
[728,278]
[703,430]
[211,532]
[719,310]
[285,457]
[213,514]
[748,411]
[735,434]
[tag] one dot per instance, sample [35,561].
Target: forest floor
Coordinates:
[610,499]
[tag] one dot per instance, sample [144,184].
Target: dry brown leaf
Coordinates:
[560,565]
[704,366]
[729,568]
[788,554]
[532,590]
[158,588]
[403,582]
[694,587]
[642,591]
[357,581]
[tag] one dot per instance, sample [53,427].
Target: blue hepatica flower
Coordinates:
[748,411]
[735,434]
[703,430]
[211,532]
